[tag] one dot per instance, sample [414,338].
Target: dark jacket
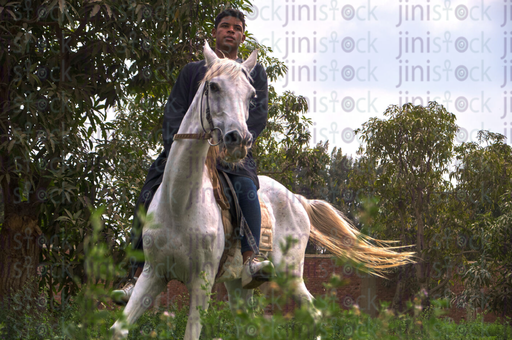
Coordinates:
[181,98]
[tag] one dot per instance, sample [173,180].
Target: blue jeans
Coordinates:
[249,204]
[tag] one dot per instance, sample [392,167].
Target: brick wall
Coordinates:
[365,290]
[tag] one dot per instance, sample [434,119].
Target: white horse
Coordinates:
[189,237]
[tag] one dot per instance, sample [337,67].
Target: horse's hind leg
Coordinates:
[304,298]
[144,293]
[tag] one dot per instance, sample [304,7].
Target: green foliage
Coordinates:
[487,281]
[68,63]
[460,226]
[404,162]
[64,64]
[483,173]
[283,147]
[221,324]
[86,317]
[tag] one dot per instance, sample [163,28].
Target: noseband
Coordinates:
[205,135]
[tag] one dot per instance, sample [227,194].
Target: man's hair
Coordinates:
[231,12]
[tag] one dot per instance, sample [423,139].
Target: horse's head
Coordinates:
[229,93]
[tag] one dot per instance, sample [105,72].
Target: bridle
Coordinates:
[205,135]
[209,115]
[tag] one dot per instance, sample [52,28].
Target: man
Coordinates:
[229,34]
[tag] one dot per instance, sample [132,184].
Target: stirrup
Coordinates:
[255,273]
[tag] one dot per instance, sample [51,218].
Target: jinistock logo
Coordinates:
[505,105]
[125,12]
[315,44]
[475,104]
[333,133]
[330,72]
[323,11]
[507,76]
[442,72]
[427,12]
[331,103]
[425,44]
[507,9]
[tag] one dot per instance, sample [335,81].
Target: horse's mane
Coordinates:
[225,67]
[212,157]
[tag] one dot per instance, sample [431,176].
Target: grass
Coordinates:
[85,316]
[81,318]
[220,323]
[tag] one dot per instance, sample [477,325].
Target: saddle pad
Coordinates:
[266,235]
[266,229]
[230,264]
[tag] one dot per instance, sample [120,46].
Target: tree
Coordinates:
[484,191]
[283,145]
[64,63]
[404,161]
[330,183]
[483,173]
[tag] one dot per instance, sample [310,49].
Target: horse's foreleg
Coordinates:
[147,288]
[199,299]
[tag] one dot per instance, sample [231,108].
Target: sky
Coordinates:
[352,59]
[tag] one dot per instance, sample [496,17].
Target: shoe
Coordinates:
[256,272]
[122,296]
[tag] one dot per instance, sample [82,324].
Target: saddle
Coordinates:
[232,216]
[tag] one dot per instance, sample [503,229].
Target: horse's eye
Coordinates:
[214,87]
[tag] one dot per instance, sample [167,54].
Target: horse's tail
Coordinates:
[331,230]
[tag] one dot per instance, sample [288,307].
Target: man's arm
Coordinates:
[176,107]
[258,108]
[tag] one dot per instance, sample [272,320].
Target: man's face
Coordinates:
[229,34]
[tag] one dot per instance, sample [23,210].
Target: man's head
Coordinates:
[230,13]
[229,32]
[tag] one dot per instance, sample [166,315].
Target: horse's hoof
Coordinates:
[122,296]
[118,334]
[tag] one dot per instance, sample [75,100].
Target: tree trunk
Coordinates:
[397,305]
[19,252]
[422,265]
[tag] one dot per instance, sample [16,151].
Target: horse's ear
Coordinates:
[209,55]
[251,61]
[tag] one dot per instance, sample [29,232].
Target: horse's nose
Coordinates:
[232,138]
[235,138]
